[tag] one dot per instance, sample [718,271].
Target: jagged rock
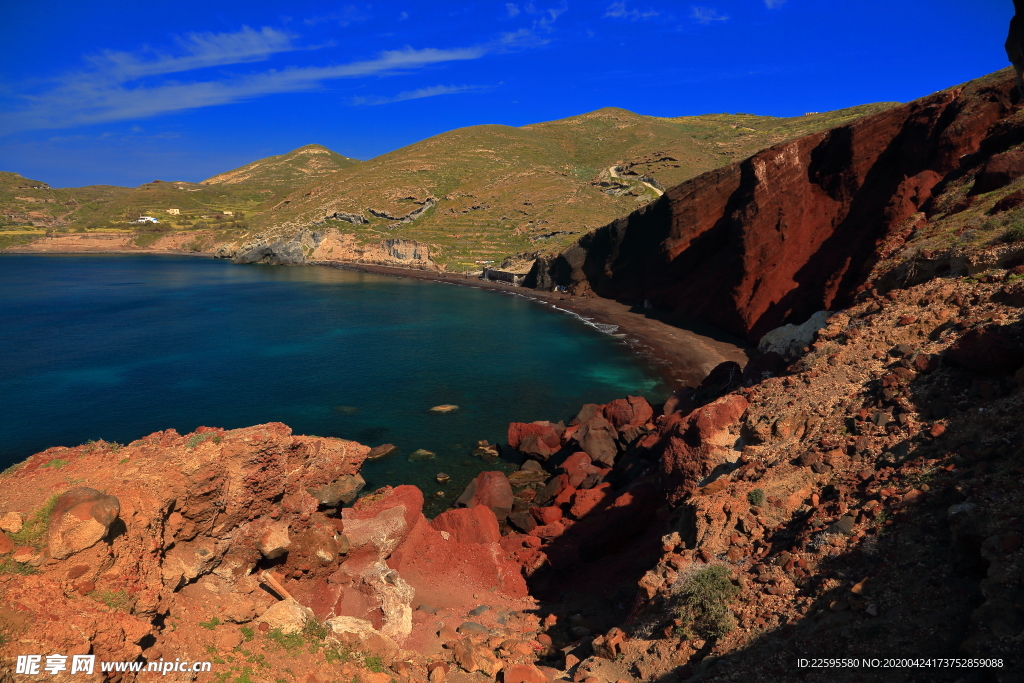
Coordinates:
[80,518]
[540,440]
[287,615]
[492,490]
[696,443]
[632,410]
[597,437]
[344,490]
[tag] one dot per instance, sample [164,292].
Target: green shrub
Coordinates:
[196,439]
[756,497]
[1014,231]
[702,603]
[56,463]
[247,633]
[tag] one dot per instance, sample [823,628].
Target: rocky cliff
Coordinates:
[329,246]
[797,227]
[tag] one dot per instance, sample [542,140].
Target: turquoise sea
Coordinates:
[115,347]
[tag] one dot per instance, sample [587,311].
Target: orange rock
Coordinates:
[524,673]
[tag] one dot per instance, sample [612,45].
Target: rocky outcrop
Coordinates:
[329,246]
[793,229]
[79,519]
[279,251]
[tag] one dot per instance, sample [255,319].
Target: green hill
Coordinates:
[485,192]
[298,167]
[475,194]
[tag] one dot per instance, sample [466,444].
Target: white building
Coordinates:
[174,212]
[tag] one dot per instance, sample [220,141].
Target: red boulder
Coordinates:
[469,525]
[490,489]
[632,410]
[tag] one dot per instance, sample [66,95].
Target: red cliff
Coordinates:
[797,227]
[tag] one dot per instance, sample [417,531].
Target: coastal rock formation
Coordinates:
[329,246]
[794,229]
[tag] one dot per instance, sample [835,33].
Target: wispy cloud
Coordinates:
[773,4]
[618,10]
[420,93]
[121,85]
[706,15]
[199,51]
[512,9]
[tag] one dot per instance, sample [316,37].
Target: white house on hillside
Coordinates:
[145,219]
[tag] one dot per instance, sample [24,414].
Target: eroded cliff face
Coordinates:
[329,246]
[797,227]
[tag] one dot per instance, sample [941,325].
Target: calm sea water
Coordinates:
[115,347]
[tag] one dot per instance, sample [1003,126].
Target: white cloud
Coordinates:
[419,93]
[706,15]
[94,97]
[773,4]
[119,86]
[200,50]
[512,9]
[618,10]
[403,16]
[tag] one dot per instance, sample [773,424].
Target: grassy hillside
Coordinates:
[501,190]
[31,207]
[298,167]
[480,193]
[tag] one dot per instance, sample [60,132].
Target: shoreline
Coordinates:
[683,353]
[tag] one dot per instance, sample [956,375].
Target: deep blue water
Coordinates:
[115,347]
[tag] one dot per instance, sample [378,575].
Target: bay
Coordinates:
[115,347]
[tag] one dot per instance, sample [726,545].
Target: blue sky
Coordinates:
[125,92]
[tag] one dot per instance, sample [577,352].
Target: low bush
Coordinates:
[701,602]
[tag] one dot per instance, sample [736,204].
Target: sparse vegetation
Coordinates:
[9,566]
[211,624]
[374,663]
[701,602]
[33,533]
[113,599]
[756,497]
[196,439]
[56,463]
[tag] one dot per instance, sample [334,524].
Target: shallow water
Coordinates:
[115,347]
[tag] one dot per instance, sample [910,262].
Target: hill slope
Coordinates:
[297,167]
[485,192]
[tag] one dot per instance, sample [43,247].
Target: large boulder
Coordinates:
[540,440]
[80,518]
[476,524]
[632,410]
[597,438]
[492,490]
